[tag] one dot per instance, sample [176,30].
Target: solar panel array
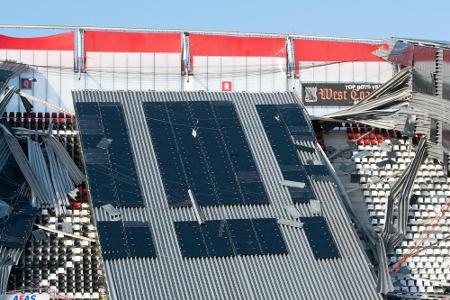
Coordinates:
[125,239]
[108,155]
[215,145]
[319,237]
[200,145]
[283,124]
[230,237]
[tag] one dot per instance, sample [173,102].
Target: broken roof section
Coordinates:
[381,107]
[170,274]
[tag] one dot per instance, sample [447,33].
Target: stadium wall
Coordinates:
[176,61]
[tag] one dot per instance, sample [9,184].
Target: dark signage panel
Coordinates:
[336,94]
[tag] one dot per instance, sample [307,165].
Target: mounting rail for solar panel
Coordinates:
[198,211]
[294,184]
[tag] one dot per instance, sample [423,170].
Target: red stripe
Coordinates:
[312,50]
[102,41]
[220,45]
[446,56]
[63,41]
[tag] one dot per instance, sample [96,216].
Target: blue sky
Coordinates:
[373,19]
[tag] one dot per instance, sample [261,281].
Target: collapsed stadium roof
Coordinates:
[265,119]
[221,195]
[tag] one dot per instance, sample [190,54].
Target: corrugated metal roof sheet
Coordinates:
[297,275]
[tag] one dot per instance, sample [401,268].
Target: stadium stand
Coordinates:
[423,252]
[59,254]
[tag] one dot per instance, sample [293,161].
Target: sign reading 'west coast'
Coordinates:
[336,94]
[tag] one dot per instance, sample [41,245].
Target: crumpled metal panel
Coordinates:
[424,70]
[446,74]
[402,54]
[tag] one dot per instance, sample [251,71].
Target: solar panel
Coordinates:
[112,240]
[220,175]
[306,149]
[16,231]
[140,240]
[119,150]
[89,119]
[18,226]
[195,167]
[216,238]
[295,120]
[269,236]
[11,180]
[294,117]
[243,236]
[190,239]
[274,118]
[112,174]
[239,152]
[301,196]
[200,145]
[220,238]
[101,183]
[317,171]
[319,237]
[166,150]
[125,239]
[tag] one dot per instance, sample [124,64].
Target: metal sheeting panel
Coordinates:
[402,54]
[424,70]
[297,275]
[426,107]
[446,71]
